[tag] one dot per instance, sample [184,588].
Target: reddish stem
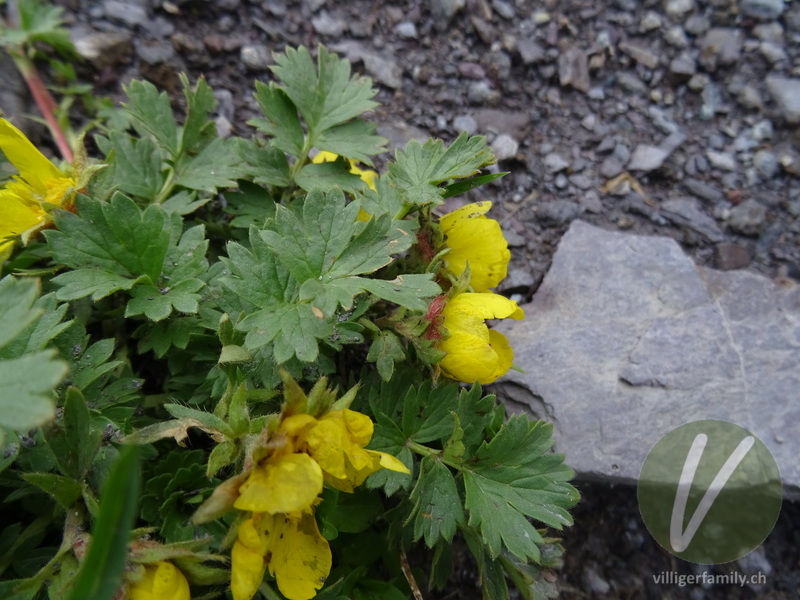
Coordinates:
[44,100]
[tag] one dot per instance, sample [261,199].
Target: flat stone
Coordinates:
[129,13]
[785,92]
[685,212]
[765,10]
[558,212]
[531,52]
[256,57]
[721,160]
[573,69]
[729,256]
[103,48]
[505,147]
[748,218]
[465,123]
[502,121]
[626,339]
[325,24]
[703,190]
[647,158]
[640,54]
[720,46]
[554,162]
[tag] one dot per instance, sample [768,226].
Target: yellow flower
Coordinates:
[24,200]
[162,581]
[281,484]
[478,241]
[281,491]
[336,441]
[290,545]
[475,352]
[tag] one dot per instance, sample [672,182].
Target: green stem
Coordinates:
[167,188]
[425,451]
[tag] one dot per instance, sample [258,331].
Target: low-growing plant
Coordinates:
[231,366]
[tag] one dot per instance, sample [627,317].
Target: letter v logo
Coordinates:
[709,491]
[680,540]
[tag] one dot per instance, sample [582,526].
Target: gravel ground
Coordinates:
[672,117]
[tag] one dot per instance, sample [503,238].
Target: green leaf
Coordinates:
[71,439]
[386,349]
[512,479]
[39,22]
[90,282]
[238,415]
[152,114]
[294,329]
[327,242]
[16,307]
[418,171]
[465,185]
[223,454]
[454,448]
[115,237]
[137,165]
[207,420]
[27,386]
[157,304]
[39,332]
[490,571]
[198,129]
[326,96]
[251,205]
[281,122]
[354,140]
[329,175]
[215,167]
[437,508]
[265,164]
[175,333]
[412,291]
[101,572]
[65,490]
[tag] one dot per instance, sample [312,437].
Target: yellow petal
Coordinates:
[487,305]
[162,581]
[469,358]
[473,351]
[293,426]
[301,558]
[367,176]
[470,211]
[16,215]
[169,583]
[479,243]
[32,165]
[142,589]
[387,461]
[505,354]
[286,484]
[359,426]
[324,157]
[253,536]
[329,443]
[247,571]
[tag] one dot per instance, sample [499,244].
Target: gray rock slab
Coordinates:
[627,339]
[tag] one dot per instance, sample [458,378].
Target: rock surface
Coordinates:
[626,339]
